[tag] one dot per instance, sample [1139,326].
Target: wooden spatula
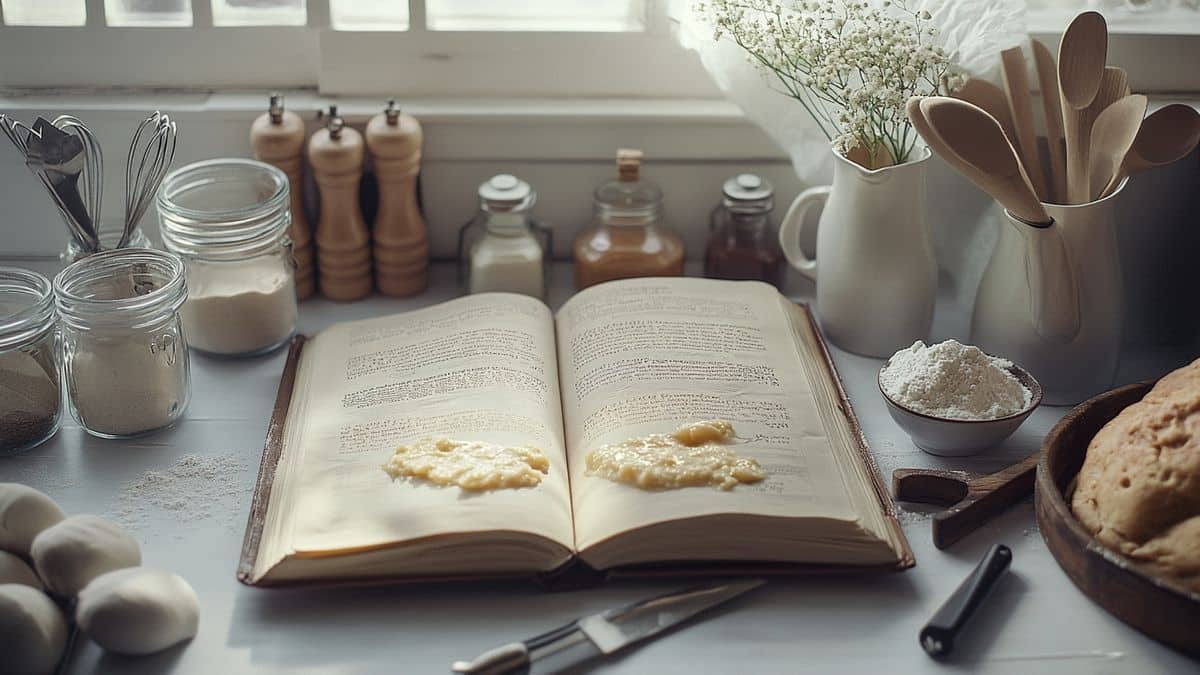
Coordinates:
[1167,135]
[1020,106]
[992,99]
[1112,135]
[1047,71]
[972,141]
[971,499]
[1081,56]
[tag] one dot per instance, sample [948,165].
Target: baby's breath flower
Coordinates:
[852,66]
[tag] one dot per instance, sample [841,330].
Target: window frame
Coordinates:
[476,64]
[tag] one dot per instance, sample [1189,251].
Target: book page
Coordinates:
[645,356]
[480,368]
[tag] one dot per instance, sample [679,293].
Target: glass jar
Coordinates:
[627,237]
[30,398]
[503,249]
[228,219]
[125,355]
[741,242]
[110,236]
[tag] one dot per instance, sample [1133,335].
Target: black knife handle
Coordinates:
[509,659]
[937,637]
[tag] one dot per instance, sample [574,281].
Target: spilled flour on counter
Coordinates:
[955,381]
[195,488]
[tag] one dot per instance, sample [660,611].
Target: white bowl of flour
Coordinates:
[955,400]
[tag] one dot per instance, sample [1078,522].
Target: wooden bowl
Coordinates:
[1159,607]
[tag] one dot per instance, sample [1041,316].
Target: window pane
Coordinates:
[148,12]
[259,13]
[44,12]
[536,15]
[368,14]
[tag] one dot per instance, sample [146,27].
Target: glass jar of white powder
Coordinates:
[503,249]
[125,357]
[228,219]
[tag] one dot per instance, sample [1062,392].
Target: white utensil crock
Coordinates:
[878,275]
[1051,299]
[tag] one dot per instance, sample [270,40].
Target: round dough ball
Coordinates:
[138,610]
[33,633]
[13,570]
[24,513]
[70,554]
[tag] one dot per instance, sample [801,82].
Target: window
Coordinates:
[454,48]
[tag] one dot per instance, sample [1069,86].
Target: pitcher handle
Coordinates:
[792,227]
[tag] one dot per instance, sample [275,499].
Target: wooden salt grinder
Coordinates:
[343,242]
[400,241]
[277,137]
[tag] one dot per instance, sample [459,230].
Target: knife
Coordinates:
[603,633]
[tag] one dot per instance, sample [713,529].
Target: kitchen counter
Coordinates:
[1036,622]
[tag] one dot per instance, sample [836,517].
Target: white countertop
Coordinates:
[1036,622]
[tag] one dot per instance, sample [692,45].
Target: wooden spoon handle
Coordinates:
[987,497]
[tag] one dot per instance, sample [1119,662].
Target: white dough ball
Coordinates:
[70,554]
[138,610]
[14,570]
[24,512]
[33,633]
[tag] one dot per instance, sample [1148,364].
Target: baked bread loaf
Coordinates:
[1139,489]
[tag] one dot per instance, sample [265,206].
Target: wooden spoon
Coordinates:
[1081,56]
[1112,136]
[1020,105]
[972,141]
[1047,72]
[971,499]
[992,99]
[1167,135]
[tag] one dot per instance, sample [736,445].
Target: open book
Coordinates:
[619,360]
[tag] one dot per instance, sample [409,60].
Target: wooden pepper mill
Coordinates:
[343,242]
[400,242]
[277,137]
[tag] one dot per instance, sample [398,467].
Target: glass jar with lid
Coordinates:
[741,242]
[503,248]
[30,399]
[628,237]
[228,219]
[125,355]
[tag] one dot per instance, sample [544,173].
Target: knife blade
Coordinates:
[603,633]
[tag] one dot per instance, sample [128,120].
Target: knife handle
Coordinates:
[509,659]
[937,637]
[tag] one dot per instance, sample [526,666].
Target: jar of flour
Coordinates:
[228,219]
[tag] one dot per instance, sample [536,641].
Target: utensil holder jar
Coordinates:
[229,219]
[30,387]
[125,353]
[1051,299]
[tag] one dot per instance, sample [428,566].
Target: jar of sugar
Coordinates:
[503,249]
[30,402]
[228,219]
[125,356]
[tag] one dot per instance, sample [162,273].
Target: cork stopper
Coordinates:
[629,165]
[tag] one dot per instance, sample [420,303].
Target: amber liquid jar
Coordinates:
[742,244]
[627,237]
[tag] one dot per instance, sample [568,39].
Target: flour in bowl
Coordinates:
[953,380]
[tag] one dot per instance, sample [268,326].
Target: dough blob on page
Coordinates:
[693,455]
[471,465]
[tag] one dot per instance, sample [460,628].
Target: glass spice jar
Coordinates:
[627,237]
[30,396]
[228,219]
[125,355]
[741,242]
[503,249]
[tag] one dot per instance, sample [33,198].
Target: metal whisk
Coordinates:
[93,167]
[150,155]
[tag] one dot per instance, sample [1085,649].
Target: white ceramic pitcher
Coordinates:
[1051,299]
[878,275]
